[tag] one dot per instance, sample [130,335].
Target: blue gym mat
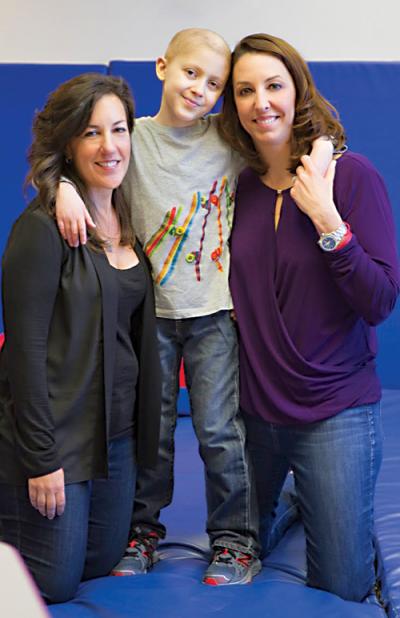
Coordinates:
[174,590]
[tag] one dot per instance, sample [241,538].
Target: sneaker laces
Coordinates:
[136,547]
[227,556]
[145,545]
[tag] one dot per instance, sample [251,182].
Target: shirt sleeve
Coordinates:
[31,274]
[366,269]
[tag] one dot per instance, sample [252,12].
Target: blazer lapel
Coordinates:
[109,299]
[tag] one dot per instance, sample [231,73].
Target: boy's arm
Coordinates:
[72,215]
[322,153]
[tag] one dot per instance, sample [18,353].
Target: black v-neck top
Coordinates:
[131,292]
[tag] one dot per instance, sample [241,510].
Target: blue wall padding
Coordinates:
[367,94]
[24,89]
[142,78]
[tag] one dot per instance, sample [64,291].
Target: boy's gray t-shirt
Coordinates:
[182,185]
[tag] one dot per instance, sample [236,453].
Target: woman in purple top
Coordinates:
[314,270]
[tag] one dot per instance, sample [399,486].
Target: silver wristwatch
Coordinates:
[330,240]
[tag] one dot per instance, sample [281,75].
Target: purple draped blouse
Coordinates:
[306,318]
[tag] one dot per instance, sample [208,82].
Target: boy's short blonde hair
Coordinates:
[196,37]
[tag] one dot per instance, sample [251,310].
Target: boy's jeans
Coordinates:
[208,346]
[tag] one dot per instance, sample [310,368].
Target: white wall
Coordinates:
[100,30]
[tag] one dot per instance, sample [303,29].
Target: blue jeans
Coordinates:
[88,540]
[208,346]
[335,464]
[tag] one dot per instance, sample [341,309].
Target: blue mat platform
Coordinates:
[173,588]
[387,515]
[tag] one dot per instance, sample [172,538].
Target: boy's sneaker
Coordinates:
[139,557]
[230,566]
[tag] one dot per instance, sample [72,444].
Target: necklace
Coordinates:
[109,230]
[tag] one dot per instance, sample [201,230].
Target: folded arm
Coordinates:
[366,269]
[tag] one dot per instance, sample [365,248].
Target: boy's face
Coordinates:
[193,82]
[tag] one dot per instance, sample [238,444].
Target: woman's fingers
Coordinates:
[60,502]
[47,493]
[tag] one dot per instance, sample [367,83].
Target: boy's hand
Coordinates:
[313,194]
[321,154]
[72,215]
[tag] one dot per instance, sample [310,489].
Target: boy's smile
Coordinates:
[193,82]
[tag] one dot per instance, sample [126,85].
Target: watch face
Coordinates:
[328,243]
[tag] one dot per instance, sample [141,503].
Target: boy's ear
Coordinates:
[161,65]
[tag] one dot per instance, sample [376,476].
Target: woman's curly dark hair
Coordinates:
[65,115]
[314,115]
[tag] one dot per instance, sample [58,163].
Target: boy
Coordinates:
[182,189]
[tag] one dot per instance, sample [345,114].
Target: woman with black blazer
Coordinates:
[79,371]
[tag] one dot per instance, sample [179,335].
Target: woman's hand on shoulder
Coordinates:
[313,194]
[72,215]
[47,493]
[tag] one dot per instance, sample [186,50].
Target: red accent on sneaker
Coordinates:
[245,560]
[212,581]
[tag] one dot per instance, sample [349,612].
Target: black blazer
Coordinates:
[60,316]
